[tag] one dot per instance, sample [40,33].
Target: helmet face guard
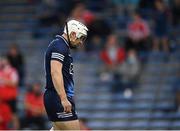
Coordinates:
[82,38]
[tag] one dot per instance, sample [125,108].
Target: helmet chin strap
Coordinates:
[67,33]
[70,45]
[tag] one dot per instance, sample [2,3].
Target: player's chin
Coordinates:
[79,44]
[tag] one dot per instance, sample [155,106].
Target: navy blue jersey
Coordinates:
[59,50]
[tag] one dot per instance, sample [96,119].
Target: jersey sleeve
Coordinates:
[58,52]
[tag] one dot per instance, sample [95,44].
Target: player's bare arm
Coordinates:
[57,78]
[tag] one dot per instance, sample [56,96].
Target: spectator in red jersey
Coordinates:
[94,23]
[81,13]
[120,67]
[8,87]
[138,31]
[112,56]
[5,115]
[34,108]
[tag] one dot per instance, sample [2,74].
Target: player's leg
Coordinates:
[56,114]
[66,125]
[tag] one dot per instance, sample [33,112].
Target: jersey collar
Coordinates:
[63,39]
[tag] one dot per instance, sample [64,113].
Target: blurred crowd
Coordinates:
[119,34]
[11,80]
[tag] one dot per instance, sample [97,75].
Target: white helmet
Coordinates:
[76,26]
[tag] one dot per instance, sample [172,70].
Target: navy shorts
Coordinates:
[54,108]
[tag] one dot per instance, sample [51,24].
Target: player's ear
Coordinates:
[73,35]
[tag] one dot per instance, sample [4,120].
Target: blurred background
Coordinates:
[126,75]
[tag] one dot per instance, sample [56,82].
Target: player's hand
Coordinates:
[66,105]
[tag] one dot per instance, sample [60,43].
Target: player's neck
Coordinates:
[65,36]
